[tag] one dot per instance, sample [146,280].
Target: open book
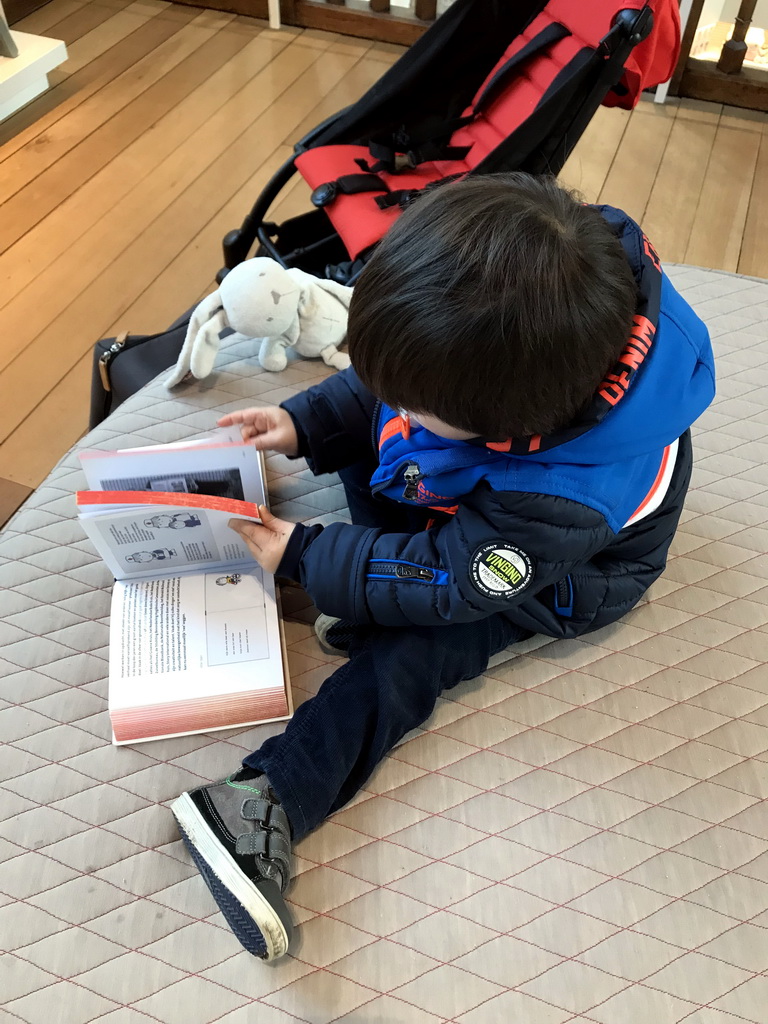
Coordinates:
[195,639]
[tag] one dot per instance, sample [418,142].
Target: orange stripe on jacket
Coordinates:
[390,428]
[659,487]
[654,485]
[397,425]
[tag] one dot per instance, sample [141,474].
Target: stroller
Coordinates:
[492,85]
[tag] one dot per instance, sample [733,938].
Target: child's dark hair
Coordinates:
[496,304]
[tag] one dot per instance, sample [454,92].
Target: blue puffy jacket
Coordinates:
[562,534]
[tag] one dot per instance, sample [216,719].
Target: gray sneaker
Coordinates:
[239,838]
[334,635]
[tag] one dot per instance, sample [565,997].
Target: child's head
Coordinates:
[495,304]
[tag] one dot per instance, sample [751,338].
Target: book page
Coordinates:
[153,540]
[227,470]
[187,637]
[222,435]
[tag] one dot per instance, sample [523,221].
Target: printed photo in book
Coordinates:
[195,638]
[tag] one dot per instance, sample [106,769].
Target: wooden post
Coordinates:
[689,31]
[735,49]
[426,10]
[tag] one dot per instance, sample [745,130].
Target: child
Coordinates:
[513,437]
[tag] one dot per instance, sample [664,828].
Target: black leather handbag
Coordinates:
[123,365]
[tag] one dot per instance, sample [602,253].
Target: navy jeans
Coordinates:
[389,686]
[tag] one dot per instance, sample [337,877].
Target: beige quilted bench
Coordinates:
[578,836]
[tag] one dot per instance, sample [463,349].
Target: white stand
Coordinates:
[274,13]
[24,77]
[685,13]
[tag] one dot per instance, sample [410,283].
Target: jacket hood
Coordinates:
[662,383]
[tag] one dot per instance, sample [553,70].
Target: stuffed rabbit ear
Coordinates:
[201,316]
[308,281]
[342,292]
[206,345]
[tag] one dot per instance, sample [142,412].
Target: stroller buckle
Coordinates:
[324,194]
[405,161]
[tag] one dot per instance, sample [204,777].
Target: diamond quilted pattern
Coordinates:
[580,835]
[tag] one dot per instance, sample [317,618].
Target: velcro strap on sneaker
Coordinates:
[279,849]
[254,844]
[254,809]
[272,846]
[266,813]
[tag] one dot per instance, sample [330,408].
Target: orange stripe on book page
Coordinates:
[203,714]
[217,504]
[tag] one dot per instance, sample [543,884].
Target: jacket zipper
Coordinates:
[564,597]
[375,427]
[380,569]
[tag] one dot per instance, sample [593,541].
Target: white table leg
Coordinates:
[685,13]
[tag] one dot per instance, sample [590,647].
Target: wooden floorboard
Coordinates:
[43,20]
[670,213]
[162,229]
[754,249]
[115,118]
[721,215]
[12,495]
[117,185]
[76,20]
[86,231]
[72,85]
[630,180]
[589,164]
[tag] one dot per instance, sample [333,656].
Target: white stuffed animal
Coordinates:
[278,307]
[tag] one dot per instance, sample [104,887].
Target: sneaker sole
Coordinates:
[249,914]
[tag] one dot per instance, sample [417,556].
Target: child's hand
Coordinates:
[267,542]
[270,428]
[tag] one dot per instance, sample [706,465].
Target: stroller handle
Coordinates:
[238,242]
[637,24]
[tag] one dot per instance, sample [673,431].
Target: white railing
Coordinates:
[424,9]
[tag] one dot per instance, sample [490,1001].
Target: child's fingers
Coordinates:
[229,419]
[265,439]
[266,516]
[245,416]
[267,543]
[251,533]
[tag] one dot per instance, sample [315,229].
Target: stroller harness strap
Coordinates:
[403,151]
[544,40]
[348,185]
[402,197]
[427,145]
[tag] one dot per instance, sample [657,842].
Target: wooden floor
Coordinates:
[118,184]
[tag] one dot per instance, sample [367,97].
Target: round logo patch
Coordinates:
[500,570]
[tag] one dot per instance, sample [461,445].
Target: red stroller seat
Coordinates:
[516,98]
